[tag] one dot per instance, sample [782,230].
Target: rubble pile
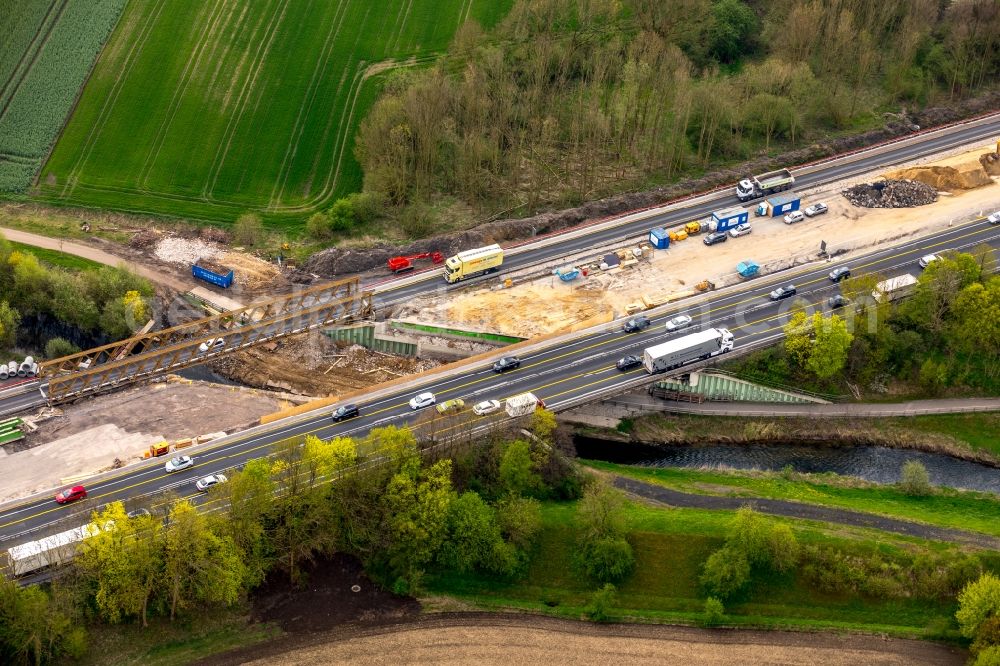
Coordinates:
[891,194]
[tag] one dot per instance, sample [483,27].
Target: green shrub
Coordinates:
[609,559]
[248,229]
[714,612]
[726,572]
[914,479]
[59,347]
[601,602]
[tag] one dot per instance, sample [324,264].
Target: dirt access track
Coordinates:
[475,638]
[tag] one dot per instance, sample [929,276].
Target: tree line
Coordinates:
[566,101]
[110,302]
[402,513]
[939,337]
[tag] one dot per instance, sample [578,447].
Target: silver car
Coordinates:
[206,482]
[179,463]
[678,322]
[816,209]
[486,407]
[740,230]
[926,260]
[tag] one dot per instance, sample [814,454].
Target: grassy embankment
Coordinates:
[173,644]
[974,436]
[977,512]
[57,258]
[671,546]
[274,131]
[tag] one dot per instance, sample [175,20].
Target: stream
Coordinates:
[878,464]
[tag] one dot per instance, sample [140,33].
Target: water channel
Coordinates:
[878,464]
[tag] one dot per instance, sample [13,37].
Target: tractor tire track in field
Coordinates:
[315,82]
[401,26]
[109,102]
[249,86]
[30,55]
[215,17]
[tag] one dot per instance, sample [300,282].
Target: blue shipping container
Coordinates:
[784,203]
[727,219]
[659,238]
[219,280]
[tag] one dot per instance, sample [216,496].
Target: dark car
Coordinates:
[636,324]
[837,301]
[345,412]
[628,362]
[717,237]
[71,495]
[840,273]
[507,363]
[782,292]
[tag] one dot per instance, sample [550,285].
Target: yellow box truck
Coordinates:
[472,263]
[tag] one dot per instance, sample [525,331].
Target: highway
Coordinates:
[535,252]
[565,372]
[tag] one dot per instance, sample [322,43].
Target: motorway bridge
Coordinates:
[161,351]
[563,371]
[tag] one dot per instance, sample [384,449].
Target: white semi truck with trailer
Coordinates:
[692,347]
[764,184]
[895,288]
[471,263]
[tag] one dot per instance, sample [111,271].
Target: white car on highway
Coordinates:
[486,407]
[211,343]
[678,322]
[993,218]
[179,463]
[206,482]
[423,400]
[926,260]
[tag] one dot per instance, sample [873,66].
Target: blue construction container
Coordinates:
[216,277]
[783,203]
[659,238]
[723,220]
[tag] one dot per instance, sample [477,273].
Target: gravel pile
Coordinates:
[891,194]
[184,250]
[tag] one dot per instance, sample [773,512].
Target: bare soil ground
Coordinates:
[312,364]
[481,638]
[548,304]
[86,438]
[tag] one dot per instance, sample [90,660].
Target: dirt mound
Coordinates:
[891,194]
[328,598]
[250,271]
[965,177]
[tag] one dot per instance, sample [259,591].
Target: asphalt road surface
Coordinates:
[561,374]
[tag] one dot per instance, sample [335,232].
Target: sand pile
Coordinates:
[891,194]
[967,176]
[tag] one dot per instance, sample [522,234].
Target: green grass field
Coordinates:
[671,545]
[46,49]
[204,109]
[978,512]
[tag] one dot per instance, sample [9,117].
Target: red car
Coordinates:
[71,495]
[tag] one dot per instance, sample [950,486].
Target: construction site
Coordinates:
[966,184]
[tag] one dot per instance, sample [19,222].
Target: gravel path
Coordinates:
[509,639]
[100,256]
[805,511]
